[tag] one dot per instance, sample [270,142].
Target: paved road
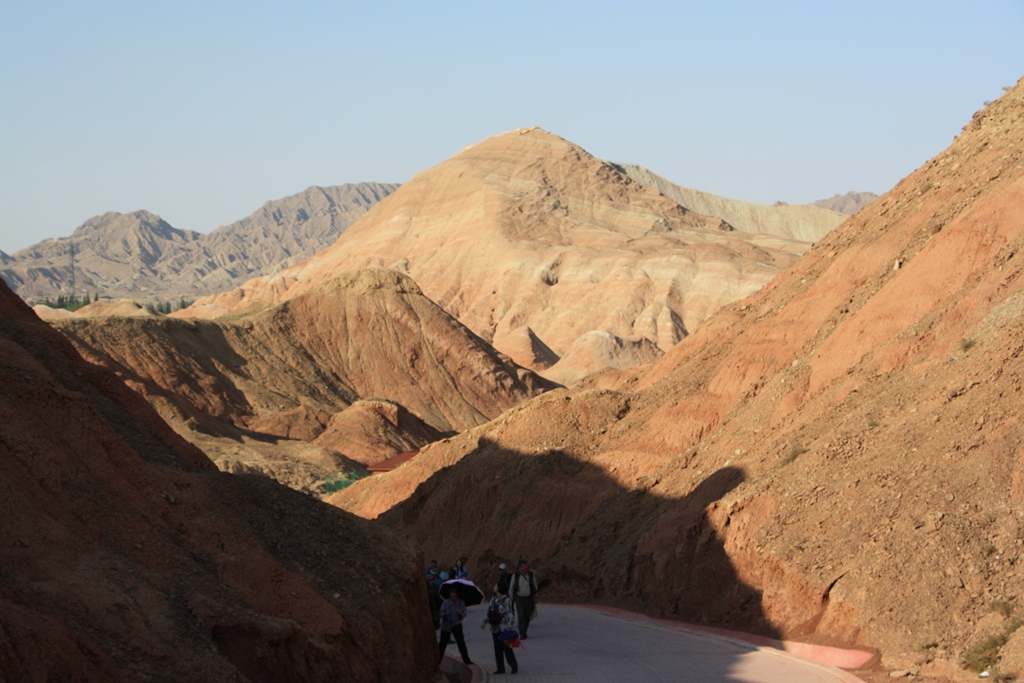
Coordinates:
[569,644]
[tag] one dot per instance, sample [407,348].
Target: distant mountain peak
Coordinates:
[849,203]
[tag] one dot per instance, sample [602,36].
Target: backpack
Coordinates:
[494,614]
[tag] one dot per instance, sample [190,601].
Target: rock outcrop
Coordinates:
[835,458]
[127,556]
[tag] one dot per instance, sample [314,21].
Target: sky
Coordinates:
[202,111]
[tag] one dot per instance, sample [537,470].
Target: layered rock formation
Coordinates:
[279,392]
[835,458]
[140,256]
[526,236]
[127,556]
[598,351]
[804,223]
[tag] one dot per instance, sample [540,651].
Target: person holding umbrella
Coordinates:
[453,611]
[465,589]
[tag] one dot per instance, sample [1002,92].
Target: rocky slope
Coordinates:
[141,257]
[285,231]
[802,223]
[279,392]
[527,236]
[836,458]
[127,556]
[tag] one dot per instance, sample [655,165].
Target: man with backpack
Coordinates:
[523,591]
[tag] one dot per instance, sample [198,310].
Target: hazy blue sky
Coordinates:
[201,111]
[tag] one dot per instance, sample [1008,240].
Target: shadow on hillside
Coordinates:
[192,371]
[591,539]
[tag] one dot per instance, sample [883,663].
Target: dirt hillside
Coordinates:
[277,392]
[527,235]
[126,556]
[837,458]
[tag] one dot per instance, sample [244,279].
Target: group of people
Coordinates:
[435,577]
[447,615]
[513,604]
[457,571]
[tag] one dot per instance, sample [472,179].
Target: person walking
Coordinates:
[523,591]
[501,618]
[453,611]
[505,578]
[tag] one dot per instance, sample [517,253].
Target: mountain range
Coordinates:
[849,203]
[294,400]
[805,223]
[532,243]
[806,432]
[140,256]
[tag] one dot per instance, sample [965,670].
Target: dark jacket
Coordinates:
[504,582]
[435,600]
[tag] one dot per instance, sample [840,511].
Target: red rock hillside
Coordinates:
[280,392]
[126,556]
[837,458]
